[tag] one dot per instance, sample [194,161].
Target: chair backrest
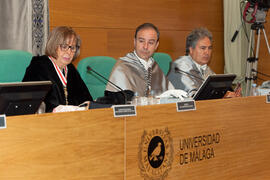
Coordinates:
[13,64]
[163,60]
[101,64]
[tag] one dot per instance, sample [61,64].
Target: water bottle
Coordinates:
[135,99]
[151,97]
[41,108]
[254,90]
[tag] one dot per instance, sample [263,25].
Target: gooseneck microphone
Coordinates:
[112,96]
[186,73]
[90,69]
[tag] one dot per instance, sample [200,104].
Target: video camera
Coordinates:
[262,4]
[257,10]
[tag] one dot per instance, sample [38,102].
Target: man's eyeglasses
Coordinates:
[65,47]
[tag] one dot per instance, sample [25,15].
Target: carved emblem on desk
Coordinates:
[155,155]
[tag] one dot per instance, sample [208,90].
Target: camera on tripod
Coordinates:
[257,9]
[262,4]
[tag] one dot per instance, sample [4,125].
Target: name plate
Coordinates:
[186,106]
[124,110]
[268,98]
[3,121]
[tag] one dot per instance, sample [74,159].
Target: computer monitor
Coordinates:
[215,87]
[22,97]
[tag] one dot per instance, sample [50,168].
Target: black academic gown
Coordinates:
[42,69]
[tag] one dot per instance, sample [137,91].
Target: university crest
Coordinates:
[155,154]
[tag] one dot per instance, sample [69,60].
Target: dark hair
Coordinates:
[60,35]
[146,26]
[196,35]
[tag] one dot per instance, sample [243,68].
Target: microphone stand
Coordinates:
[89,69]
[266,75]
[180,71]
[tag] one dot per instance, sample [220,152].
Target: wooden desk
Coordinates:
[222,139]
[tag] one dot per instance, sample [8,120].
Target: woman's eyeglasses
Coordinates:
[65,47]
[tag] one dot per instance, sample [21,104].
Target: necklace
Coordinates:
[63,78]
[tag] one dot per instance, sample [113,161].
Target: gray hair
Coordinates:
[195,35]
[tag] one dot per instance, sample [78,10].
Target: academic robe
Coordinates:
[183,81]
[42,69]
[129,74]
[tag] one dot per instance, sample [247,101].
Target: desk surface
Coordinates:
[222,139]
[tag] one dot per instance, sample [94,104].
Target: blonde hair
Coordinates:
[60,35]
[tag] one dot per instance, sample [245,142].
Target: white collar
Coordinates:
[145,63]
[203,67]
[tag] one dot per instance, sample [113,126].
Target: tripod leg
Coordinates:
[248,65]
[255,63]
[266,40]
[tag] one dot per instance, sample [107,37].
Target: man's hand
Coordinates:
[235,93]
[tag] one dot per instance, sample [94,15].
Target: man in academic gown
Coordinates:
[138,71]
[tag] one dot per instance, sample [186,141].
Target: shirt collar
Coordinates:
[145,63]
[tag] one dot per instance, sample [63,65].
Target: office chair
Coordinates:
[163,60]
[13,65]
[101,64]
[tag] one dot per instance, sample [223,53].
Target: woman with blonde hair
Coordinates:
[63,46]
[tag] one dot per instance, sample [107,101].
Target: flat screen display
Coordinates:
[22,97]
[215,87]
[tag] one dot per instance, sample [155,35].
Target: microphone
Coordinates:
[181,72]
[90,69]
[266,75]
[112,97]
[234,36]
[236,33]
